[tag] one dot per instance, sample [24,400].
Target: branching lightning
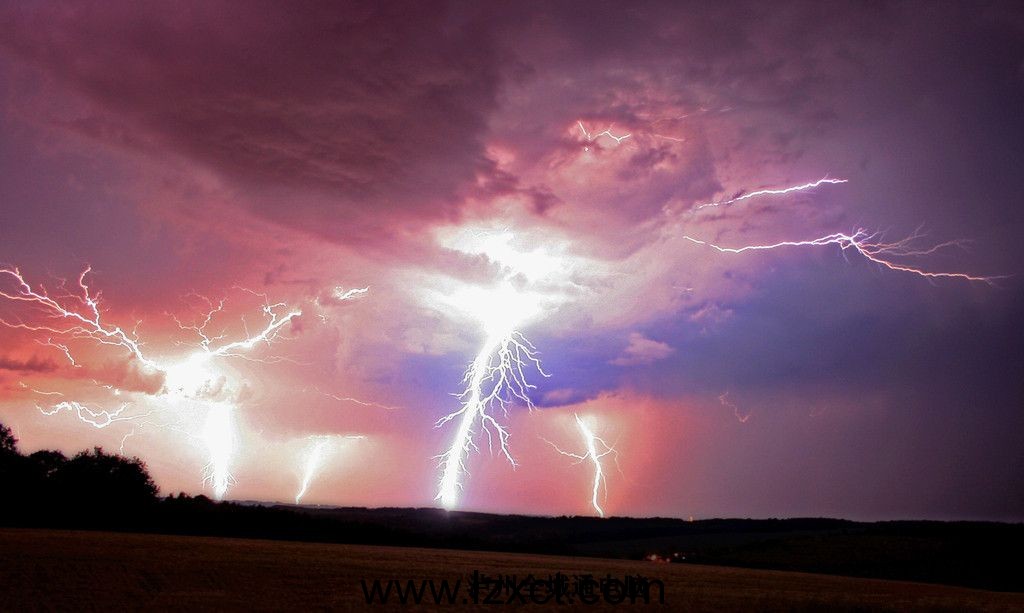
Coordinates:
[62,348]
[495,378]
[97,418]
[78,315]
[269,332]
[871,246]
[85,321]
[591,441]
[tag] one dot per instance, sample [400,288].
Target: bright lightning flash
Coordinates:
[219,436]
[77,315]
[318,452]
[591,441]
[83,322]
[97,418]
[869,245]
[496,376]
[313,462]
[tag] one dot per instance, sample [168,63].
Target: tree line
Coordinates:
[46,485]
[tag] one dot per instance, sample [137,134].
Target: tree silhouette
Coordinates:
[92,487]
[109,480]
[8,443]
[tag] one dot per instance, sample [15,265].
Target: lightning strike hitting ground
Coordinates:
[314,461]
[591,442]
[495,377]
[219,436]
[77,315]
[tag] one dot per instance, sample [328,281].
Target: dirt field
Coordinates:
[41,569]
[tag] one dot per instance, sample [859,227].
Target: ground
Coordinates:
[74,570]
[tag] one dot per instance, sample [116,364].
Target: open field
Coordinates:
[50,569]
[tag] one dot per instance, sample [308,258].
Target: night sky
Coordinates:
[274,157]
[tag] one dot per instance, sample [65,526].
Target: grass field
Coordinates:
[72,570]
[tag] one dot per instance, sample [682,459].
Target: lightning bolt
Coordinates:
[772,192]
[315,459]
[591,442]
[592,137]
[269,332]
[365,403]
[62,348]
[22,385]
[124,440]
[219,436]
[495,378]
[83,322]
[870,246]
[78,315]
[96,418]
[343,294]
[725,402]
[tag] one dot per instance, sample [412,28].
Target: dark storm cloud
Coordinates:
[376,121]
[334,116]
[32,364]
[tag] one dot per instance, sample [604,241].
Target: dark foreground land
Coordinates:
[78,570]
[95,490]
[982,555]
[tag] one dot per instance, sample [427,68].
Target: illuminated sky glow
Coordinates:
[770,254]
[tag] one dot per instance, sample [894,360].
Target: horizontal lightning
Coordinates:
[592,137]
[772,192]
[78,315]
[83,319]
[96,418]
[343,294]
[869,246]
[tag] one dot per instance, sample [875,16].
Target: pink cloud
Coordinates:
[642,350]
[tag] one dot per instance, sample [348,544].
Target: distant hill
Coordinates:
[99,491]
